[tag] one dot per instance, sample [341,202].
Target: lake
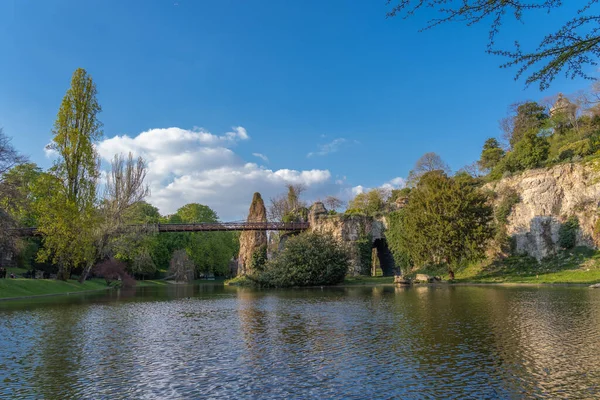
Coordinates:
[210,341]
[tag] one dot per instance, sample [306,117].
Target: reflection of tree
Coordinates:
[445,340]
[253,326]
[58,349]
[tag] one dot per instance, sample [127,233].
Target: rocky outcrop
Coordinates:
[347,228]
[547,197]
[251,241]
[352,229]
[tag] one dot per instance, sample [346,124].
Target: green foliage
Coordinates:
[308,259]
[428,162]
[364,249]
[510,198]
[491,154]
[259,259]
[444,222]
[580,148]
[397,243]
[196,213]
[210,252]
[463,178]
[567,233]
[67,196]
[368,203]
[530,152]
[577,265]
[354,211]
[19,201]
[142,213]
[530,117]
[242,281]
[397,193]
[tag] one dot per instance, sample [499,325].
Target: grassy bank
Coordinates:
[14,288]
[35,287]
[579,265]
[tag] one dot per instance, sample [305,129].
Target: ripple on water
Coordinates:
[458,342]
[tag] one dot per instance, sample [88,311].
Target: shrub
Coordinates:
[259,259]
[567,233]
[113,270]
[364,248]
[308,259]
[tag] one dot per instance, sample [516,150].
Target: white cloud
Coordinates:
[327,148]
[358,190]
[196,166]
[49,151]
[261,156]
[396,183]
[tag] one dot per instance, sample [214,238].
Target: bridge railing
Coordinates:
[200,227]
[234,226]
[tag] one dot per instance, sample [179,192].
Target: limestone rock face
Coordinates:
[250,241]
[348,229]
[547,198]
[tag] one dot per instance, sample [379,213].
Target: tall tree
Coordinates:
[568,49]
[125,188]
[9,191]
[333,203]
[526,117]
[67,215]
[428,162]
[491,154]
[444,222]
[288,207]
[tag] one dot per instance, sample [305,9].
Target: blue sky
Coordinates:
[331,93]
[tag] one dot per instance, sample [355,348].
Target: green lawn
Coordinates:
[35,287]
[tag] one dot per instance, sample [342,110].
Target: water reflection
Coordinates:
[356,342]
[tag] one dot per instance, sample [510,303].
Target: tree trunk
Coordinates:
[451,273]
[63,274]
[85,272]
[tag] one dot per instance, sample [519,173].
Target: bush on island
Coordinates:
[308,259]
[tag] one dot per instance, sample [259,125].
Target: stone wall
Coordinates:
[350,229]
[547,198]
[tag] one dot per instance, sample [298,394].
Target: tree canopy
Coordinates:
[428,162]
[444,222]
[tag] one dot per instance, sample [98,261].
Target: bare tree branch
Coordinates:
[570,49]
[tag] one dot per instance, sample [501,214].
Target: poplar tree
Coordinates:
[67,215]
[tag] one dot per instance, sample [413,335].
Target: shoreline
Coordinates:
[35,296]
[72,287]
[467,284]
[369,283]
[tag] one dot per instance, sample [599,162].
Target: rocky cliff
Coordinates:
[547,197]
[251,241]
[357,231]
